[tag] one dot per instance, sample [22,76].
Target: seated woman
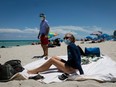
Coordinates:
[70,66]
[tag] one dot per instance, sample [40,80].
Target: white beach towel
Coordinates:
[102,70]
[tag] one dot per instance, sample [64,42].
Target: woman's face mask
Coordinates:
[67,41]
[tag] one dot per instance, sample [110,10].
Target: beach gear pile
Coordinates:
[95,66]
[103,70]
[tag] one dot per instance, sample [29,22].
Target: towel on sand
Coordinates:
[102,70]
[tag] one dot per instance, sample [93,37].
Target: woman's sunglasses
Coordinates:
[66,37]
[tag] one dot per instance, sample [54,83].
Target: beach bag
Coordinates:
[16,65]
[94,51]
[10,68]
[6,72]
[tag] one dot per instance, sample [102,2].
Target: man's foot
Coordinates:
[42,56]
[45,57]
[39,56]
[63,76]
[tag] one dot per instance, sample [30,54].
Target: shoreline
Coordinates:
[15,43]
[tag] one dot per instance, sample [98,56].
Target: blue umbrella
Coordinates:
[105,35]
[89,37]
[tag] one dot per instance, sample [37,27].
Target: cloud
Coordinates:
[10,31]
[78,31]
[57,29]
[27,30]
[65,29]
[27,33]
[31,33]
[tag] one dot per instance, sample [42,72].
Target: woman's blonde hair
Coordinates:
[71,36]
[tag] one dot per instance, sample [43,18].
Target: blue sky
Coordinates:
[19,19]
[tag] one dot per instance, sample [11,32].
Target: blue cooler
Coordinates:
[94,51]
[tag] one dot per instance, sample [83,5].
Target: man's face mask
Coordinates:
[42,18]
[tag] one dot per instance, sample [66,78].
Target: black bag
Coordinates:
[9,68]
[81,51]
[6,72]
[16,65]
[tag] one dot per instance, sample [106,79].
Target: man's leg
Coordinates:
[45,48]
[44,44]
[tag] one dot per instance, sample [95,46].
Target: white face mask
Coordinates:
[67,41]
[42,18]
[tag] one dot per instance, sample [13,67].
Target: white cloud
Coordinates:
[27,33]
[30,30]
[10,31]
[57,29]
[27,30]
[74,29]
[78,31]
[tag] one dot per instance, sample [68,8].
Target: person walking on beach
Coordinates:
[69,66]
[43,35]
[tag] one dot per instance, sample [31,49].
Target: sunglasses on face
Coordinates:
[66,37]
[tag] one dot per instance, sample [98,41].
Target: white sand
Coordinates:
[26,53]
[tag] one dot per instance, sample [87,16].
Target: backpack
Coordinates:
[9,68]
[16,65]
[6,72]
[81,51]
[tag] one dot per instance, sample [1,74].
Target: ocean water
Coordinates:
[11,43]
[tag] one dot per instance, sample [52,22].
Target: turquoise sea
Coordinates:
[11,43]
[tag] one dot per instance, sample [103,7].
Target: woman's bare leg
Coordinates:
[53,61]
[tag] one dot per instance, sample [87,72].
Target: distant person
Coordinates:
[69,66]
[51,44]
[43,35]
[57,42]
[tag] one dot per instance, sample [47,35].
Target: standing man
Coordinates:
[43,35]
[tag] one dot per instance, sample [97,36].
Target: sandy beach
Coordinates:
[26,54]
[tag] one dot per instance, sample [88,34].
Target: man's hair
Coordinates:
[42,15]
